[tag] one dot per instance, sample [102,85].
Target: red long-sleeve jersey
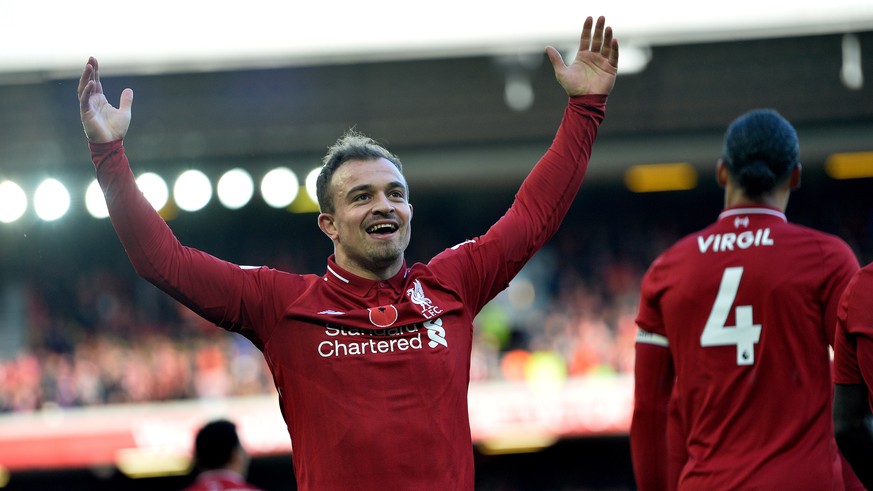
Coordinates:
[740,316]
[853,352]
[372,375]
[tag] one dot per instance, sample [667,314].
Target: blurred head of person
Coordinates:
[760,161]
[217,446]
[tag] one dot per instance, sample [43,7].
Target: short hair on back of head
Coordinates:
[352,145]
[760,150]
[214,444]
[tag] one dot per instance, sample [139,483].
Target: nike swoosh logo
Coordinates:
[331,312]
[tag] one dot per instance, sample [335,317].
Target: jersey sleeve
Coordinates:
[853,351]
[219,291]
[653,385]
[839,264]
[484,266]
[650,319]
[657,446]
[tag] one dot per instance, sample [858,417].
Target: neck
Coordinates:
[734,197]
[372,270]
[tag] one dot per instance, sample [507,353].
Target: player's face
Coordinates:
[370,226]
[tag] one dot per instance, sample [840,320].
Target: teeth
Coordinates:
[385,227]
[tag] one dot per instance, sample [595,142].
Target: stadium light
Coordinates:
[311,178]
[648,178]
[192,190]
[235,189]
[51,200]
[95,203]
[850,165]
[13,202]
[154,188]
[279,187]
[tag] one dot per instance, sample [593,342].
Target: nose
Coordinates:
[382,204]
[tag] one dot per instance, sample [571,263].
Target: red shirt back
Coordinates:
[853,349]
[747,308]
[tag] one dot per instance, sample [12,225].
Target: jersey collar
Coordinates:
[361,286]
[752,210]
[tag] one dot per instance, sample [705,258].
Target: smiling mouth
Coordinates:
[382,229]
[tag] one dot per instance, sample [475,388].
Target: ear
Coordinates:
[327,225]
[722,174]
[239,461]
[794,180]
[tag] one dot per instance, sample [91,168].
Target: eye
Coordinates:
[361,197]
[397,194]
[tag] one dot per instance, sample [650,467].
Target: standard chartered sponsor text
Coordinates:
[397,339]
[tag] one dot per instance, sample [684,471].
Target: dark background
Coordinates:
[600,464]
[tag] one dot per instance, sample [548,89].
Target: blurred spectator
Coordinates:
[221,458]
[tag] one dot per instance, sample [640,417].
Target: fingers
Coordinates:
[597,40]
[555,57]
[610,48]
[89,82]
[97,85]
[585,42]
[126,100]
[87,76]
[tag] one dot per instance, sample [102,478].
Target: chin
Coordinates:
[386,257]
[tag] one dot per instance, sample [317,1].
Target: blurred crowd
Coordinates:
[95,333]
[111,338]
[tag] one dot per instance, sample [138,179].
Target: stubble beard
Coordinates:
[386,254]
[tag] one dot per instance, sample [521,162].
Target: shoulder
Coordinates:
[861,283]
[824,239]
[277,275]
[674,254]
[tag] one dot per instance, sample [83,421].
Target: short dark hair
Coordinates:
[352,145]
[760,150]
[215,444]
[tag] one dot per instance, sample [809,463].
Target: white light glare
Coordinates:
[51,200]
[518,93]
[235,189]
[851,73]
[13,202]
[279,187]
[310,183]
[154,188]
[192,190]
[95,202]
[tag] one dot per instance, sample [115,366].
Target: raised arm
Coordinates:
[102,122]
[594,69]
[211,287]
[547,193]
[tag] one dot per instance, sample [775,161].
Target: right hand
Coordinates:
[595,66]
[102,122]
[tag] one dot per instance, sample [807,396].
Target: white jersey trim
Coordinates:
[337,275]
[747,211]
[646,337]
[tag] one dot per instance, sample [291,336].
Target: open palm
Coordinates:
[102,122]
[594,69]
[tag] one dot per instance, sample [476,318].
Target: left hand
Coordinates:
[594,69]
[102,122]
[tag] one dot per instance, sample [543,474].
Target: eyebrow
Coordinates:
[368,187]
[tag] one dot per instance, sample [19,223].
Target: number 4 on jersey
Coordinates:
[745,334]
